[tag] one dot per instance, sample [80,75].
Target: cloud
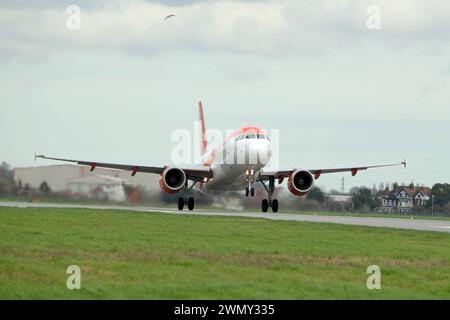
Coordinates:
[430,90]
[274,28]
[245,72]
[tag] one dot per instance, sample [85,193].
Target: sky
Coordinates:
[341,93]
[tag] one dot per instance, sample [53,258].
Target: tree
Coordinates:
[44,188]
[363,198]
[316,194]
[7,184]
[5,171]
[374,189]
[441,192]
[354,190]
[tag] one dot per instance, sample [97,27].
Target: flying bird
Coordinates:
[170,16]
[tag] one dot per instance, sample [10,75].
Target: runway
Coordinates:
[397,223]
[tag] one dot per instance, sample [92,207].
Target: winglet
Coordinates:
[38,156]
[404,163]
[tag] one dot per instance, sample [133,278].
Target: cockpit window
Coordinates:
[240,137]
[250,136]
[261,136]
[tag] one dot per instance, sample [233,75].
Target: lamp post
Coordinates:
[432,205]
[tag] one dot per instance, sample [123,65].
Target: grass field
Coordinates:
[124,254]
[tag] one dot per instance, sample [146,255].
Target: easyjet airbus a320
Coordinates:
[235,164]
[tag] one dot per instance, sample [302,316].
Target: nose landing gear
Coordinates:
[250,190]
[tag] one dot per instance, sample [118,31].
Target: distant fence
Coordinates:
[422,212]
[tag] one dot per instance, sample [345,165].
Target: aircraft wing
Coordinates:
[193,173]
[317,172]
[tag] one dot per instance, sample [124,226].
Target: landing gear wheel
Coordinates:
[275,205]
[265,205]
[180,203]
[191,204]
[246,192]
[252,192]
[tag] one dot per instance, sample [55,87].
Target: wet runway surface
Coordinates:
[398,223]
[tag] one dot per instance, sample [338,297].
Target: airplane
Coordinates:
[236,164]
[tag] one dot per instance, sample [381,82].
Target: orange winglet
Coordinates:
[134,171]
[354,172]
[93,165]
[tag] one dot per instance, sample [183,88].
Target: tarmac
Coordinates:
[396,223]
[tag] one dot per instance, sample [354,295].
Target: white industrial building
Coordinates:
[342,198]
[79,179]
[109,187]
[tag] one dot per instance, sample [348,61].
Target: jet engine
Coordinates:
[300,182]
[172,180]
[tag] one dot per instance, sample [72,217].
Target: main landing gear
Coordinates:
[186,200]
[269,203]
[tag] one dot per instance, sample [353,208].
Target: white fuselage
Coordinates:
[239,159]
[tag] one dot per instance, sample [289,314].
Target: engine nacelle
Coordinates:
[300,182]
[172,180]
